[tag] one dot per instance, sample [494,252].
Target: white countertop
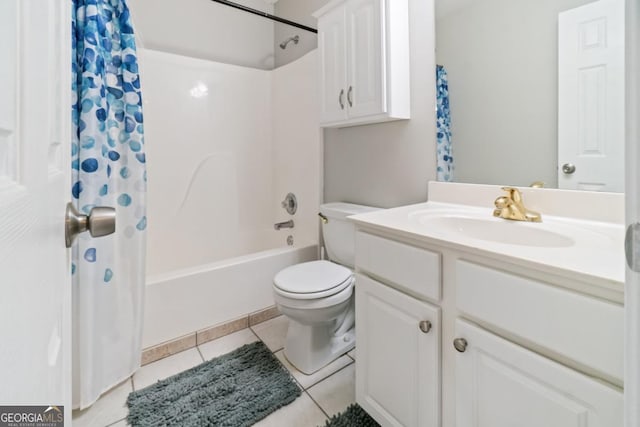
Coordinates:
[595,252]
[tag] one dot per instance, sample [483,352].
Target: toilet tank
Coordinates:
[339,233]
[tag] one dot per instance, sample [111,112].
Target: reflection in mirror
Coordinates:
[536,91]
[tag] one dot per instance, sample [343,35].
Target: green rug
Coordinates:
[234,390]
[353,416]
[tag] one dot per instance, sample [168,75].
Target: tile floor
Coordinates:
[326,392]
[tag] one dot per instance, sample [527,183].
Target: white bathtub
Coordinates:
[225,144]
[187,300]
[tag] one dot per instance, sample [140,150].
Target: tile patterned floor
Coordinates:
[326,392]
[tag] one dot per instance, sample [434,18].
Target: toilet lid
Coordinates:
[312,277]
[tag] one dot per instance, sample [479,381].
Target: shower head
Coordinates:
[294,39]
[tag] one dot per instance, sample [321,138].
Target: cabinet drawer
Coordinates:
[414,269]
[583,329]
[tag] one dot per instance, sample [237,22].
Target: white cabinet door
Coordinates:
[398,365]
[365,91]
[333,63]
[364,62]
[500,384]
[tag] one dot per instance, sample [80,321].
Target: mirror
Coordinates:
[534,86]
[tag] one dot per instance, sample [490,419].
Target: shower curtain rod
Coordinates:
[265,15]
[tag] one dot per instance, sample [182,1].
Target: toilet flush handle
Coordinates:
[323,218]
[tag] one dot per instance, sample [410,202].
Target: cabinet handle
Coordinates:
[460,344]
[341,99]
[425,326]
[350,96]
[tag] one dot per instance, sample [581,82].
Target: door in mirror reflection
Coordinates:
[591,97]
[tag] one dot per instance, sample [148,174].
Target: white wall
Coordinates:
[209,150]
[389,164]
[501,59]
[207,30]
[297,145]
[300,12]
[224,146]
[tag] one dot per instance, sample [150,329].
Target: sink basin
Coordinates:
[497,230]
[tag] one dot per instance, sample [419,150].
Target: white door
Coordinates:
[398,361]
[333,75]
[35,313]
[365,91]
[632,196]
[500,384]
[591,97]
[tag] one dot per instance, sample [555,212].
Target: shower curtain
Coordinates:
[108,168]
[444,154]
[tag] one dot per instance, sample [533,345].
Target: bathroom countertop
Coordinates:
[595,254]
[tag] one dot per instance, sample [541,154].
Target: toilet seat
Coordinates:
[313,304]
[312,280]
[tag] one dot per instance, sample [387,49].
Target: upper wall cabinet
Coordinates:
[364,61]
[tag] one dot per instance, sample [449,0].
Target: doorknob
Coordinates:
[568,168]
[632,247]
[101,221]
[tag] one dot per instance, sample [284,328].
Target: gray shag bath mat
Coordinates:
[234,390]
[353,416]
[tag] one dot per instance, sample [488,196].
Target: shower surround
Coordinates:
[225,144]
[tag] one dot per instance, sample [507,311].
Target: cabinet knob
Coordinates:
[460,344]
[425,326]
[350,96]
[341,99]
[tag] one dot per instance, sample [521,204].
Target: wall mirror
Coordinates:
[536,91]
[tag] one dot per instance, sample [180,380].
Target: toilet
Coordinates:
[318,296]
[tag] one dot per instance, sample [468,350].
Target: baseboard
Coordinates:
[193,339]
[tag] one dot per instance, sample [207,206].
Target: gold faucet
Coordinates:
[511,207]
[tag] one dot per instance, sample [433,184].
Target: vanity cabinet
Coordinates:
[561,322]
[398,356]
[501,384]
[364,61]
[508,345]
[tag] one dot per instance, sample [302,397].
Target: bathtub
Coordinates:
[184,301]
[224,145]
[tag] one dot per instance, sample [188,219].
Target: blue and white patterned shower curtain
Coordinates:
[108,162]
[444,152]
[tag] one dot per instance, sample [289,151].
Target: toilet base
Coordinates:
[310,348]
[320,330]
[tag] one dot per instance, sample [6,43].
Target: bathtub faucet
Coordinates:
[286,224]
